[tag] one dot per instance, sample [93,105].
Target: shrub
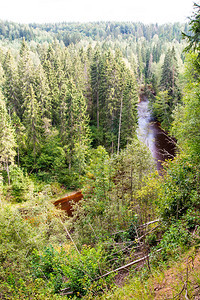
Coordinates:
[69,269]
[177,189]
[20,183]
[81,269]
[175,238]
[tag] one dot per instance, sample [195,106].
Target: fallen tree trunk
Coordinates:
[126,266]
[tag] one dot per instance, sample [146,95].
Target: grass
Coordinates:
[178,280]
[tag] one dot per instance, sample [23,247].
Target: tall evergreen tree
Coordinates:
[119,98]
[96,83]
[32,121]
[169,78]
[42,93]
[26,74]
[169,96]
[52,69]
[7,139]
[193,38]
[10,85]
[78,134]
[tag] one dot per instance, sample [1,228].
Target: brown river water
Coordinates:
[162,147]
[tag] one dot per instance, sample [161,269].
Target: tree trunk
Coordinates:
[18,156]
[97,109]
[120,123]
[8,173]
[112,144]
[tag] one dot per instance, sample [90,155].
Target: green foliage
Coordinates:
[53,96]
[48,265]
[177,237]
[17,240]
[24,230]
[7,140]
[162,109]
[169,96]
[177,189]
[68,269]
[192,218]
[95,208]
[52,158]
[193,38]
[187,121]
[19,184]
[81,269]
[110,201]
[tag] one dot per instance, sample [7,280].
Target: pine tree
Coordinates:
[193,38]
[110,100]
[2,75]
[78,139]
[10,85]
[129,113]
[96,83]
[169,78]
[52,69]
[42,92]
[119,98]
[7,139]
[26,74]
[169,96]
[32,121]
[19,134]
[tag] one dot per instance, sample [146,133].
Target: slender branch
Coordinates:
[148,223]
[126,266]
[65,228]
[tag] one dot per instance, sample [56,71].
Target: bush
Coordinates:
[48,266]
[175,238]
[81,269]
[24,228]
[20,183]
[68,268]
[17,241]
[192,218]
[177,189]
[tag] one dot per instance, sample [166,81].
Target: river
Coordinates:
[149,132]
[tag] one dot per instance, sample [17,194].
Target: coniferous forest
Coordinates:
[69,122]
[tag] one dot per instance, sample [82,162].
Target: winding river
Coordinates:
[149,132]
[161,146]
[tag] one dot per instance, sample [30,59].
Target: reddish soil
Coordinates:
[66,203]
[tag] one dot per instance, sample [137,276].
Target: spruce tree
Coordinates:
[11,85]
[78,139]
[7,139]
[26,74]
[32,121]
[96,83]
[169,78]
[52,69]
[42,92]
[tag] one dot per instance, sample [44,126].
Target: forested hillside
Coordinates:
[98,31]
[69,121]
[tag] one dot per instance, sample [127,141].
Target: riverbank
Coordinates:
[161,145]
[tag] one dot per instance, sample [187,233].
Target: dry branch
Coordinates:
[148,223]
[126,266]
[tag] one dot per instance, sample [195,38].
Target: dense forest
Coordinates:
[69,121]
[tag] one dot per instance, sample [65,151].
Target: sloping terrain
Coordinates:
[180,281]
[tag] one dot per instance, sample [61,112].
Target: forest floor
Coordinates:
[180,280]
